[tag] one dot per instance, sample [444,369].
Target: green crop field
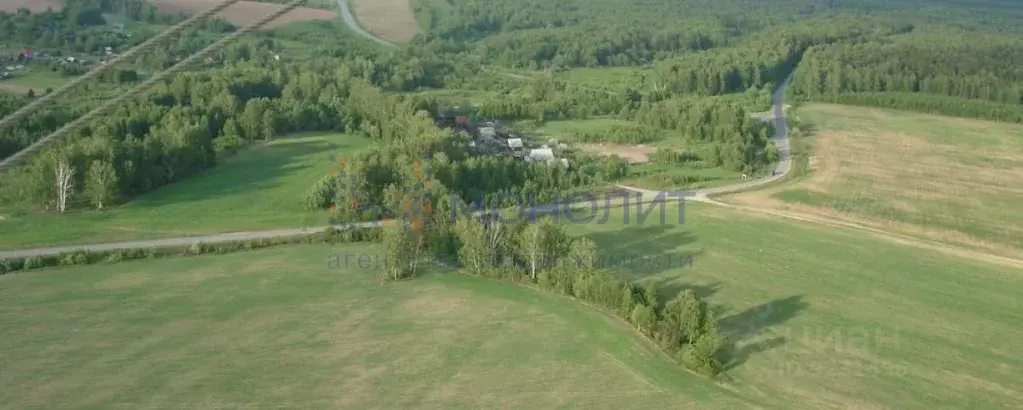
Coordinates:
[261,187]
[819,317]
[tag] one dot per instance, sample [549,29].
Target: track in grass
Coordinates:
[949,179]
[261,187]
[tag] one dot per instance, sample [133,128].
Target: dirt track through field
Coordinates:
[246,12]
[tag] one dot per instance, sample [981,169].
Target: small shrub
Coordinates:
[114,257]
[34,262]
[10,265]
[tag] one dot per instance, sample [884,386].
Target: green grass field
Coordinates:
[611,78]
[820,318]
[38,80]
[827,318]
[280,328]
[948,179]
[261,187]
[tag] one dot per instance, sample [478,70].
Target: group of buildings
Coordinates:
[489,139]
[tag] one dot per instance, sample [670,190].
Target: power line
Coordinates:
[104,68]
[67,129]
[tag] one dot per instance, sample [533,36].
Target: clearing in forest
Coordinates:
[957,181]
[392,20]
[261,187]
[246,12]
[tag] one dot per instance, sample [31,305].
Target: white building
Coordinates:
[515,143]
[488,132]
[540,154]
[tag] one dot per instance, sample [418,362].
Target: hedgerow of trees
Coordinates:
[541,253]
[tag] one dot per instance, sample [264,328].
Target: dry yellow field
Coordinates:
[391,19]
[246,12]
[951,180]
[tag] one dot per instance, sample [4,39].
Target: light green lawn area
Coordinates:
[829,318]
[261,187]
[37,80]
[821,318]
[950,179]
[280,328]
[603,77]
[566,129]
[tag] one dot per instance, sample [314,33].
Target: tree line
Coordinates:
[541,253]
[980,70]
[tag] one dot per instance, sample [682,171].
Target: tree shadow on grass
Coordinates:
[643,252]
[750,323]
[256,172]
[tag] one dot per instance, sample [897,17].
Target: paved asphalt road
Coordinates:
[783,167]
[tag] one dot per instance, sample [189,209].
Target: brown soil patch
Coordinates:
[35,6]
[246,12]
[390,19]
[633,154]
[13,88]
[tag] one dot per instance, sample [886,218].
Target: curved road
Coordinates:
[780,139]
[349,19]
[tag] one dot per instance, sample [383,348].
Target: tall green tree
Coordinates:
[101,183]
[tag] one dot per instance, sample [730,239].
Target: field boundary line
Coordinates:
[888,235]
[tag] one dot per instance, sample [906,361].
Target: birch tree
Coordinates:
[64,175]
[531,244]
[101,183]
[473,252]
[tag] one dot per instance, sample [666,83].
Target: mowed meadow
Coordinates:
[817,317]
[260,187]
[952,180]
